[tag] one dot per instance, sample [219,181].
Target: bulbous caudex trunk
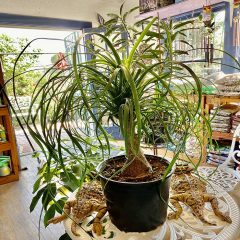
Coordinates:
[138,165]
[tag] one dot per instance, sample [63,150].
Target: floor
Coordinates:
[16,221]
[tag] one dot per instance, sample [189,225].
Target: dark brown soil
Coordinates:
[115,167]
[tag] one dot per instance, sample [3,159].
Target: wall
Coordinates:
[65,9]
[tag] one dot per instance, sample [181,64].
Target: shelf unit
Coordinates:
[9,147]
[178,8]
[221,136]
[208,102]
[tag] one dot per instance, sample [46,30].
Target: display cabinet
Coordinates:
[9,171]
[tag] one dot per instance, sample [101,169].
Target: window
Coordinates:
[195,45]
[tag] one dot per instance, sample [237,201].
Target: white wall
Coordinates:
[65,9]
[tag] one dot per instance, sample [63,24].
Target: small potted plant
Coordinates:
[4,166]
[128,85]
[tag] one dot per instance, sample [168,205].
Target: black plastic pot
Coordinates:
[136,207]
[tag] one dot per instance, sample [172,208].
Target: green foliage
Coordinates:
[54,184]
[122,82]
[25,84]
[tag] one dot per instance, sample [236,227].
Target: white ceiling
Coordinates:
[66,9]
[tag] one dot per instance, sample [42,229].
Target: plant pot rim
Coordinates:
[101,165]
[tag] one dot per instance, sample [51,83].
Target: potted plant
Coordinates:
[126,84]
[4,166]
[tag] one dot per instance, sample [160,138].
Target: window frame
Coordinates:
[24,21]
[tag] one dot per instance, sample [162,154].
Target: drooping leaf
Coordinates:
[37,184]
[36,199]
[50,212]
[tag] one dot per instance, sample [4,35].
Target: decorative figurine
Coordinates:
[191,191]
[88,199]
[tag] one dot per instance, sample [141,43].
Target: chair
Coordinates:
[234,155]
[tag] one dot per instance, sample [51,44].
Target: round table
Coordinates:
[226,178]
[186,228]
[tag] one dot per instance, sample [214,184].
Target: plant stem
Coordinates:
[138,164]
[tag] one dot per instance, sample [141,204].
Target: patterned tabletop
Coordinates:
[225,178]
[188,226]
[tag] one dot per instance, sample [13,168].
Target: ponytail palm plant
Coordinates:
[130,88]
[130,78]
